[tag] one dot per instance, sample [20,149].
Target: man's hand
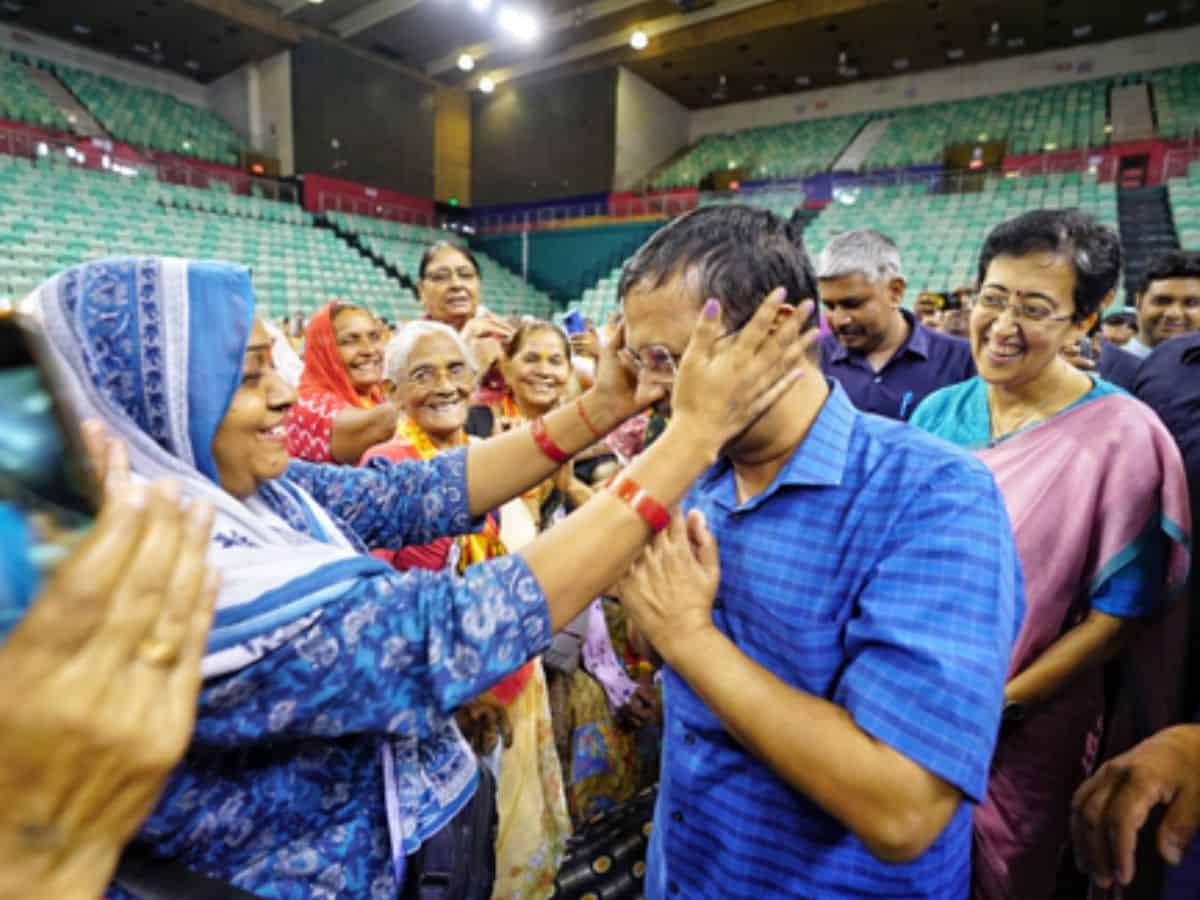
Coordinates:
[1110,808]
[669,591]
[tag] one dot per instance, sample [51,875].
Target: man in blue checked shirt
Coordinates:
[835,616]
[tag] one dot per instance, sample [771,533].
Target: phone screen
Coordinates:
[43,471]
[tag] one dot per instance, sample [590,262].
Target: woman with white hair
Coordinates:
[429,373]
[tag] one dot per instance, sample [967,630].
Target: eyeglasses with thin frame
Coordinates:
[657,361]
[1031,310]
[444,276]
[459,373]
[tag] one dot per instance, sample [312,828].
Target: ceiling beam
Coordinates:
[687,31]
[581,15]
[265,21]
[294,7]
[273,24]
[371,15]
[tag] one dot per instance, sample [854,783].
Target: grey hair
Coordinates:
[400,347]
[866,251]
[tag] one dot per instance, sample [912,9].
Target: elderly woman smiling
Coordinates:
[325,752]
[1096,493]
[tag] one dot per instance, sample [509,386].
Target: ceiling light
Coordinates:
[1081,31]
[1156,17]
[481,6]
[954,53]
[518,23]
[466,62]
[486,85]
[638,40]
[900,64]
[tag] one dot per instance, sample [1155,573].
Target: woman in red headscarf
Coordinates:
[341,411]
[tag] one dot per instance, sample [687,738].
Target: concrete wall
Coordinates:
[650,128]
[272,125]
[1149,51]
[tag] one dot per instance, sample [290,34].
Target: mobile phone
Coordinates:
[573,322]
[44,468]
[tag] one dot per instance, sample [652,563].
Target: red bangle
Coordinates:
[586,421]
[546,443]
[652,512]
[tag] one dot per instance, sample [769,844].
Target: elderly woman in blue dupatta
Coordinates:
[1097,495]
[325,752]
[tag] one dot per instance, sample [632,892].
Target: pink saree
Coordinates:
[1087,492]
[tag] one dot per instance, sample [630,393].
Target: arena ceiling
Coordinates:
[728,51]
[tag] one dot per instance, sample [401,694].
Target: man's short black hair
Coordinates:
[1175,264]
[1093,250]
[741,254]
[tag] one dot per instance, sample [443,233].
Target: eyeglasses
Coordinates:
[444,276]
[656,361]
[1031,310]
[427,376]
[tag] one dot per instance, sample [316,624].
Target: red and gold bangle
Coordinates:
[546,443]
[652,512]
[587,420]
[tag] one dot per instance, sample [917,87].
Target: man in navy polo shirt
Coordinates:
[836,642]
[886,360]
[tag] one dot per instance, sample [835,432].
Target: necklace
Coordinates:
[1040,412]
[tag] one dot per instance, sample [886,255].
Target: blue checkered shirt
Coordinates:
[877,572]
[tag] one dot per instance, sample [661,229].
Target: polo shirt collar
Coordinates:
[917,342]
[819,461]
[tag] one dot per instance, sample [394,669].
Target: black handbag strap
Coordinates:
[150,877]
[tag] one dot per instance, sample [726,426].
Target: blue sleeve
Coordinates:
[394,504]
[929,643]
[395,656]
[1137,589]
[19,578]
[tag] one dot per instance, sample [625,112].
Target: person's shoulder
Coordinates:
[912,456]
[951,400]
[397,450]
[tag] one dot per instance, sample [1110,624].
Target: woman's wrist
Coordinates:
[597,414]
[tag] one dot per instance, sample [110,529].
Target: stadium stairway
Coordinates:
[355,242]
[57,95]
[1147,230]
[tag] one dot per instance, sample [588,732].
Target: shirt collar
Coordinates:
[917,342]
[819,460]
[918,336]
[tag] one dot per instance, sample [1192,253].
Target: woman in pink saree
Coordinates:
[1097,496]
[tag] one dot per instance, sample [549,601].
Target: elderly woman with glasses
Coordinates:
[450,288]
[429,374]
[1097,497]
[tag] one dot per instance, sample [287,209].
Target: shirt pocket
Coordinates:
[805,651]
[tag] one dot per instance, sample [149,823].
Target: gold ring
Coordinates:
[157,652]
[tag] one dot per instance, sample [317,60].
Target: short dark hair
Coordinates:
[742,253]
[1093,250]
[431,251]
[1174,264]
